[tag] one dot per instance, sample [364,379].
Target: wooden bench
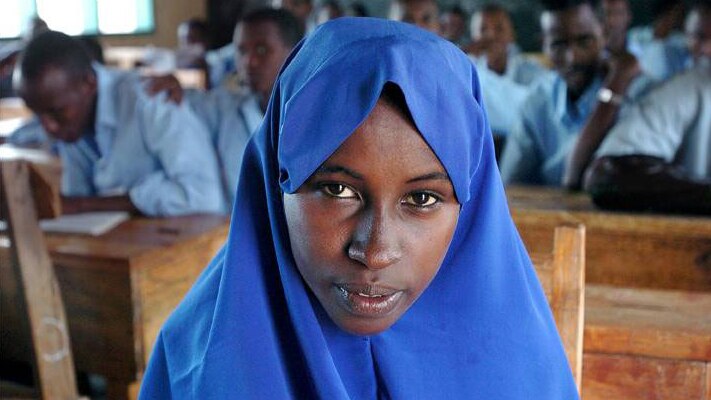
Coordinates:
[622,249]
[646,344]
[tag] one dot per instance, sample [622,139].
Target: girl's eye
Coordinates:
[421,199]
[339,190]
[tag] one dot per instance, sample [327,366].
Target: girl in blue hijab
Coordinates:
[371,253]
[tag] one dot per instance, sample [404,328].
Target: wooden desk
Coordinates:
[14,107]
[622,249]
[118,289]
[646,344]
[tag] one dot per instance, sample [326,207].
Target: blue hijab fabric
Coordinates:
[251,329]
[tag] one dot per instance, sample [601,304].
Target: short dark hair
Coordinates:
[54,49]
[560,5]
[493,8]
[290,29]
[197,24]
[456,9]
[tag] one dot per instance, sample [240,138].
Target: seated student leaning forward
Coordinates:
[120,149]
[659,156]
[374,255]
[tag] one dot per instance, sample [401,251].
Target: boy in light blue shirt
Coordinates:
[506,76]
[120,149]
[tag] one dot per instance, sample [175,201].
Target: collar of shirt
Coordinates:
[574,112]
[106,110]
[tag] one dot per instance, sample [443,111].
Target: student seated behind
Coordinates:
[506,75]
[263,39]
[120,149]
[371,253]
[661,47]
[617,16]
[422,13]
[604,115]
[557,109]
[659,156]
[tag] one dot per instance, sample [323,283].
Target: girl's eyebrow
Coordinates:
[334,169]
[430,176]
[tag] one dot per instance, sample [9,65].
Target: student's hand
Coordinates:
[165,83]
[478,47]
[622,69]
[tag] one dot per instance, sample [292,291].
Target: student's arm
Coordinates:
[167,84]
[638,182]
[623,69]
[188,181]
[520,161]
[74,205]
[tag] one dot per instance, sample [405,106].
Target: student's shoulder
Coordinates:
[542,94]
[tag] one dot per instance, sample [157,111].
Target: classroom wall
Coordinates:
[168,15]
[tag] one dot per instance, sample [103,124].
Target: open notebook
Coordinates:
[92,223]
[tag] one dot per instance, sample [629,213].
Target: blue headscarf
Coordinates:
[251,329]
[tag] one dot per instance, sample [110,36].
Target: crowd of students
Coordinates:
[624,113]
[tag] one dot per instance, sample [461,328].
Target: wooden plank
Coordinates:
[47,320]
[623,249]
[14,107]
[164,280]
[646,322]
[562,276]
[45,178]
[607,377]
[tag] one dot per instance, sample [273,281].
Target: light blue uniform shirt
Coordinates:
[536,151]
[660,59]
[154,151]
[672,122]
[221,63]
[231,117]
[504,94]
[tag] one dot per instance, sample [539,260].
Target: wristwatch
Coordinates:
[606,95]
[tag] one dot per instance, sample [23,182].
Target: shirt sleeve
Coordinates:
[205,106]
[521,161]
[655,125]
[30,134]
[188,181]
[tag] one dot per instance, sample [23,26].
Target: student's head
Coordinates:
[301,9]
[453,24]
[422,13]
[193,32]
[492,27]
[358,9]
[667,15]
[371,243]
[698,32]
[56,80]
[573,40]
[264,38]
[328,11]
[616,16]
[370,228]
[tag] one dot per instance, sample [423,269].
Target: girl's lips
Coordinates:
[368,300]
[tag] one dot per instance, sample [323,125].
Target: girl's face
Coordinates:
[370,228]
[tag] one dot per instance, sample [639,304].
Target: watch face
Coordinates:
[606,95]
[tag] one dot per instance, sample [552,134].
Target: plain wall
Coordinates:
[168,15]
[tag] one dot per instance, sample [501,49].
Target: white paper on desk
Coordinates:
[92,223]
